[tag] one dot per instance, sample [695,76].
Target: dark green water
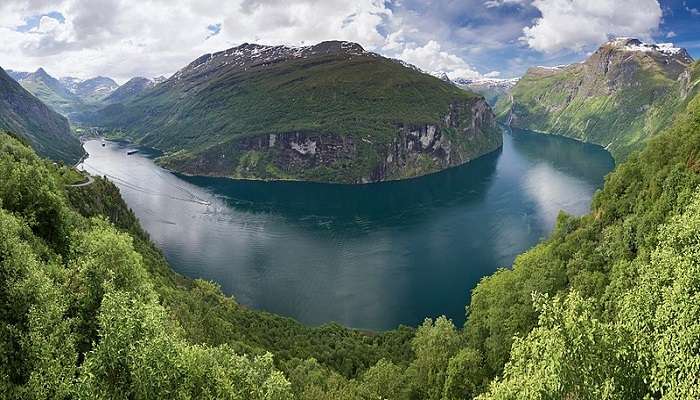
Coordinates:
[371,256]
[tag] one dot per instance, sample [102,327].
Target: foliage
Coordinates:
[611,277]
[649,349]
[89,308]
[79,316]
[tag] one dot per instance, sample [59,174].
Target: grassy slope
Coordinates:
[62,104]
[621,121]
[362,96]
[51,93]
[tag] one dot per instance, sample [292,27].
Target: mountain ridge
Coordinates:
[624,93]
[370,118]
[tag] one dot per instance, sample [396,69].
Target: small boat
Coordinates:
[104,144]
[130,152]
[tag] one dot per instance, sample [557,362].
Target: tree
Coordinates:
[570,354]
[386,380]
[141,355]
[465,375]
[661,313]
[434,345]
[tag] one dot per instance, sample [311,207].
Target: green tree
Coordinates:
[570,354]
[38,355]
[465,375]
[661,312]
[434,345]
[141,355]
[386,380]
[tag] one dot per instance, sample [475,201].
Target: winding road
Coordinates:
[89,182]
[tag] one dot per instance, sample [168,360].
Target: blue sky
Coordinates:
[490,35]
[464,38]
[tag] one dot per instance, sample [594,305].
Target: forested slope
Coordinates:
[607,307]
[613,295]
[89,305]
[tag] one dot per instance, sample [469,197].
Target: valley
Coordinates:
[303,250]
[423,216]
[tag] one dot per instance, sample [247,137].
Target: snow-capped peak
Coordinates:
[249,55]
[636,45]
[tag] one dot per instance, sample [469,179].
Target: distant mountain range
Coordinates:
[72,97]
[493,89]
[132,89]
[90,90]
[47,131]
[50,90]
[331,112]
[335,112]
[623,94]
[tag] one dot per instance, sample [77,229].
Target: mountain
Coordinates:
[71,83]
[25,115]
[624,93]
[331,112]
[92,309]
[51,91]
[493,89]
[131,89]
[159,79]
[67,95]
[91,90]
[17,75]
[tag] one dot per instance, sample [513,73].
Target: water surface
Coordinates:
[370,256]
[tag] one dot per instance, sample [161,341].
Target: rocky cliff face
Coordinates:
[468,130]
[620,96]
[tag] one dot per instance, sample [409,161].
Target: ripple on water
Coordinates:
[369,256]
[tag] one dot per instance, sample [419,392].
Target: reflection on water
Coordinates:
[370,256]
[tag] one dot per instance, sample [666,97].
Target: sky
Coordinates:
[463,38]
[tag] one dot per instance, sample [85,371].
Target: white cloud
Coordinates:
[671,34]
[124,38]
[499,3]
[431,57]
[692,11]
[577,24]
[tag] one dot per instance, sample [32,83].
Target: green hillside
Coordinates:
[47,131]
[606,307]
[338,114]
[618,98]
[617,314]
